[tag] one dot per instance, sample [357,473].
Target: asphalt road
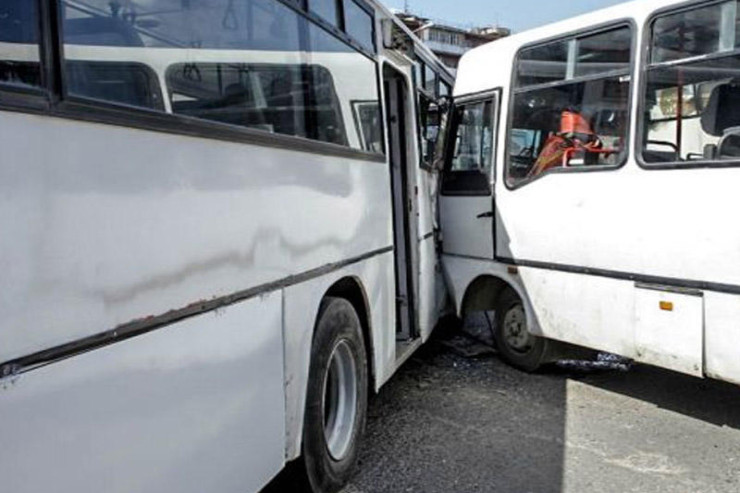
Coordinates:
[456,419]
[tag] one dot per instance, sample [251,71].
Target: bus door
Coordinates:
[467,199]
[397,95]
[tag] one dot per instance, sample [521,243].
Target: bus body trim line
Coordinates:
[641,280]
[145,325]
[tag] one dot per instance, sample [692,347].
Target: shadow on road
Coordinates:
[711,401]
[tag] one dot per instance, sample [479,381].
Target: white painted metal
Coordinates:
[463,231]
[669,330]
[190,408]
[672,224]
[721,336]
[92,217]
[103,225]
[468,221]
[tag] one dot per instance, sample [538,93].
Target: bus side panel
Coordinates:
[302,303]
[722,336]
[590,311]
[103,225]
[193,407]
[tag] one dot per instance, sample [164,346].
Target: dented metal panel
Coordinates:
[90,220]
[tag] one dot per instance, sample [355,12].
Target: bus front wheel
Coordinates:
[516,344]
[336,401]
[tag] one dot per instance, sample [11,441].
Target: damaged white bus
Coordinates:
[589,193]
[215,237]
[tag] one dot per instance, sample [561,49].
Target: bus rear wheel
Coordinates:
[516,344]
[336,402]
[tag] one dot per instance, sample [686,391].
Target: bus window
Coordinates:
[134,84]
[430,117]
[266,97]
[359,24]
[543,64]
[257,64]
[19,51]
[690,105]
[604,52]
[577,121]
[327,9]
[369,126]
[473,149]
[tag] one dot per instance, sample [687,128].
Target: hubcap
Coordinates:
[516,335]
[340,400]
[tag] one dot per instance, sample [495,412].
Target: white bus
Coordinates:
[588,195]
[215,238]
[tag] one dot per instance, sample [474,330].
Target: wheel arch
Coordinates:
[483,292]
[353,290]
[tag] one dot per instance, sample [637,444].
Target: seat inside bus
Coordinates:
[721,118]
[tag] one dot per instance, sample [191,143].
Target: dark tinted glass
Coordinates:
[134,84]
[18,21]
[359,24]
[604,52]
[548,63]
[19,57]
[354,78]
[250,63]
[687,34]
[326,9]
[214,24]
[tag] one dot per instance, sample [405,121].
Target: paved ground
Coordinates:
[456,419]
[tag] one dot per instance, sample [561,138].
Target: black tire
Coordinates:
[338,330]
[529,352]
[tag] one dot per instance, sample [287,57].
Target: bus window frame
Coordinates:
[34,99]
[513,92]
[52,98]
[451,138]
[434,96]
[645,66]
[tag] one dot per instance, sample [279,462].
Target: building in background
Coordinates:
[450,42]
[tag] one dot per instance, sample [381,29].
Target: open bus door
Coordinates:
[467,198]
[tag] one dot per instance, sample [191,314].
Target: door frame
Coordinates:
[396,103]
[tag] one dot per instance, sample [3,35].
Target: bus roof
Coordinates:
[480,68]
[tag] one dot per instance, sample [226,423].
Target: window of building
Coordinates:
[19,44]
[572,113]
[254,64]
[693,87]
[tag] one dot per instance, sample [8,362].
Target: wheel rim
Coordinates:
[516,335]
[340,400]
